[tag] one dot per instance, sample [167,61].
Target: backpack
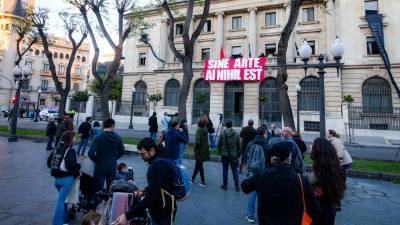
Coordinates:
[255,158]
[180,182]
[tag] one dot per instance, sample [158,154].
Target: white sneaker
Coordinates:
[182,167]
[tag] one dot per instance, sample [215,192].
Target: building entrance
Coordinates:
[233,102]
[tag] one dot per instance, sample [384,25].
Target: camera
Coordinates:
[221,116]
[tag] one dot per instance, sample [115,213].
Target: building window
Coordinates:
[42,101]
[142,59]
[309,98]
[78,58]
[44,85]
[78,72]
[270,19]
[371,7]
[205,54]
[236,50]
[46,67]
[37,52]
[55,55]
[372,46]
[270,50]
[61,69]
[376,96]
[75,87]
[29,64]
[311,126]
[312,45]
[236,22]
[140,95]
[207,27]
[61,56]
[179,29]
[66,56]
[144,33]
[308,14]
[172,90]
[43,54]
[83,59]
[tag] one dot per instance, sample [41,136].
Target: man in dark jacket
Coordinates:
[105,150]
[51,131]
[173,138]
[153,126]
[247,134]
[279,191]
[229,147]
[159,178]
[84,131]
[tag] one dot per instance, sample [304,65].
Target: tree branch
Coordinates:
[152,50]
[171,34]
[103,29]
[203,20]
[186,28]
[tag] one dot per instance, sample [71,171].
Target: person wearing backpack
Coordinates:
[247,134]
[64,168]
[229,148]
[257,152]
[161,206]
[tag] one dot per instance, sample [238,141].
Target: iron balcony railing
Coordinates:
[376,118]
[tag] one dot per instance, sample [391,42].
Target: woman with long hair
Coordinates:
[328,180]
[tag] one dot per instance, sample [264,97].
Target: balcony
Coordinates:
[45,73]
[76,77]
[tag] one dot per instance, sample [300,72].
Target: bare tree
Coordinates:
[125,29]
[72,25]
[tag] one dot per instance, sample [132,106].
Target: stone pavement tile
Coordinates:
[14,220]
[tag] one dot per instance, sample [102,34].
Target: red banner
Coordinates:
[221,70]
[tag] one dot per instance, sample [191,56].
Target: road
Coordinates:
[28,196]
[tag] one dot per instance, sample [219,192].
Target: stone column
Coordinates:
[163,42]
[219,41]
[253,31]
[291,44]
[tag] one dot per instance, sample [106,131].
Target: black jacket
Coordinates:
[158,176]
[153,125]
[51,129]
[210,127]
[55,158]
[279,196]
[302,146]
[105,150]
[247,134]
[84,129]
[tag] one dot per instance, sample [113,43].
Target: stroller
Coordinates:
[120,196]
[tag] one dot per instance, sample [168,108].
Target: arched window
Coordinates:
[376,96]
[61,56]
[83,59]
[201,99]
[172,90]
[140,93]
[55,55]
[309,97]
[37,52]
[66,56]
[269,109]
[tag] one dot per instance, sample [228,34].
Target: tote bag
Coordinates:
[73,195]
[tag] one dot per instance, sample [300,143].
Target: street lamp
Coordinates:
[20,76]
[39,91]
[298,90]
[133,98]
[337,51]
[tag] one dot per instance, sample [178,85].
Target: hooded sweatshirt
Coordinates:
[229,143]
[105,150]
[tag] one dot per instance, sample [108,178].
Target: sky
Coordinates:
[56,25]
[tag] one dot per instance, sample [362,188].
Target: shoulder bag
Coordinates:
[306,219]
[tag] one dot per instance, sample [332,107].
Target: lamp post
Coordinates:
[133,98]
[20,76]
[337,51]
[298,90]
[39,91]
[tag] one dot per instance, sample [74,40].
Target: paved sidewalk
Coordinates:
[28,196]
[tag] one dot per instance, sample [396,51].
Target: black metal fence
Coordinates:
[124,108]
[377,119]
[75,105]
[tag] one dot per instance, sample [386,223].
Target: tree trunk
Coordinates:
[105,112]
[63,104]
[184,93]
[282,74]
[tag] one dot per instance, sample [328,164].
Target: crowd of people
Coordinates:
[272,159]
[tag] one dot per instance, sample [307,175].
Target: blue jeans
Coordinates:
[182,148]
[226,161]
[211,141]
[251,203]
[100,177]
[82,145]
[50,142]
[153,135]
[63,186]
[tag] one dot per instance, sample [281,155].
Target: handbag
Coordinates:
[73,195]
[306,219]
[62,165]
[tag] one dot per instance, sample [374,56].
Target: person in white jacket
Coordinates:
[165,121]
[345,159]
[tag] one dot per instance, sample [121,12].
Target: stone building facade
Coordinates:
[40,77]
[254,27]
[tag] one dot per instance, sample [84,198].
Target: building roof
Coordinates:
[13,7]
